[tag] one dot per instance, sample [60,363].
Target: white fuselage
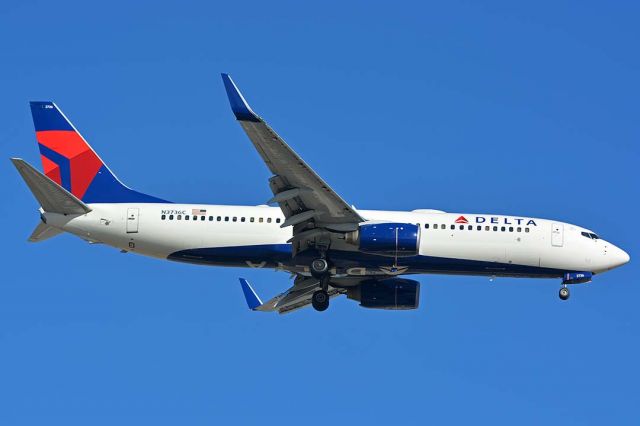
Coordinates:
[230,235]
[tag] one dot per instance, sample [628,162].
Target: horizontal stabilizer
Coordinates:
[52,197]
[43,232]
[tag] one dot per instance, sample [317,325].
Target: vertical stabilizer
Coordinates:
[69,161]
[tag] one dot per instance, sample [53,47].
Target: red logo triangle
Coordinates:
[462,219]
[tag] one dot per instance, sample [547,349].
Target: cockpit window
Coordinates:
[590,235]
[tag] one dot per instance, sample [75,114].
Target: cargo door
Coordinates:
[132,220]
[557,234]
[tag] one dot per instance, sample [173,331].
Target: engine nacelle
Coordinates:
[389,293]
[387,239]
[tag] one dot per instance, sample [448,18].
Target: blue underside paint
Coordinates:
[274,254]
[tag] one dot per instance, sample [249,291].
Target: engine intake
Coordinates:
[390,293]
[387,239]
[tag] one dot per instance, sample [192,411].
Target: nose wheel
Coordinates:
[564,293]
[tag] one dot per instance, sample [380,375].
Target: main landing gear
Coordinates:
[320,300]
[564,293]
[320,269]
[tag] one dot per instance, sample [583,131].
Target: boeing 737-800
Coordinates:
[329,247]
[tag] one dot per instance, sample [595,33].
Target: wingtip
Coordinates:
[252,299]
[239,105]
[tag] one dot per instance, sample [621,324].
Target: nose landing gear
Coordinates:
[564,293]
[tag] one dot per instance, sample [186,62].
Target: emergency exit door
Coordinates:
[557,234]
[132,220]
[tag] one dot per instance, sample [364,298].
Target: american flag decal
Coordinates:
[197,212]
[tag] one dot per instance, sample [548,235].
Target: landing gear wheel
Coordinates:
[320,300]
[319,267]
[564,293]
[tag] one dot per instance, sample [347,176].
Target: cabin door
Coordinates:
[132,220]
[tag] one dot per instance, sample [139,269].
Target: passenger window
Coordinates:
[226,218]
[479,228]
[235,219]
[511,229]
[526,229]
[163,217]
[486,228]
[278,220]
[251,220]
[502,228]
[219,218]
[269,220]
[186,217]
[242,219]
[462,227]
[210,218]
[179,217]
[519,229]
[426,226]
[453,227]
[260,220]
[202,217]
[470,228]
[495,228]
[170,217]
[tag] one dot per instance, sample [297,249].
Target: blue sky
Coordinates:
[499,108]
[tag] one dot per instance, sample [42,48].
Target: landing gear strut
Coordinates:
[564,293]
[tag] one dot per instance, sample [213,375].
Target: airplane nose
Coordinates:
[618,257]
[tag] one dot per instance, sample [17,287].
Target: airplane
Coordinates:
[329,247]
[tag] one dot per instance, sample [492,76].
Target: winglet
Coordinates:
[239,105]
[253,301]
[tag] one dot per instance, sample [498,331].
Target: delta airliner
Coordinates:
[328,246]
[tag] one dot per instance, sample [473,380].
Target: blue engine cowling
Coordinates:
[389,239]
[389,293]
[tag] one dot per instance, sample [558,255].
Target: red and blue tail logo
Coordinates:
[68,160]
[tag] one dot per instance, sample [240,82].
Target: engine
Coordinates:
[387,239]
[390,293]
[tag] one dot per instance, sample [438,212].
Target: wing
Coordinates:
[292,299]
[307,201]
